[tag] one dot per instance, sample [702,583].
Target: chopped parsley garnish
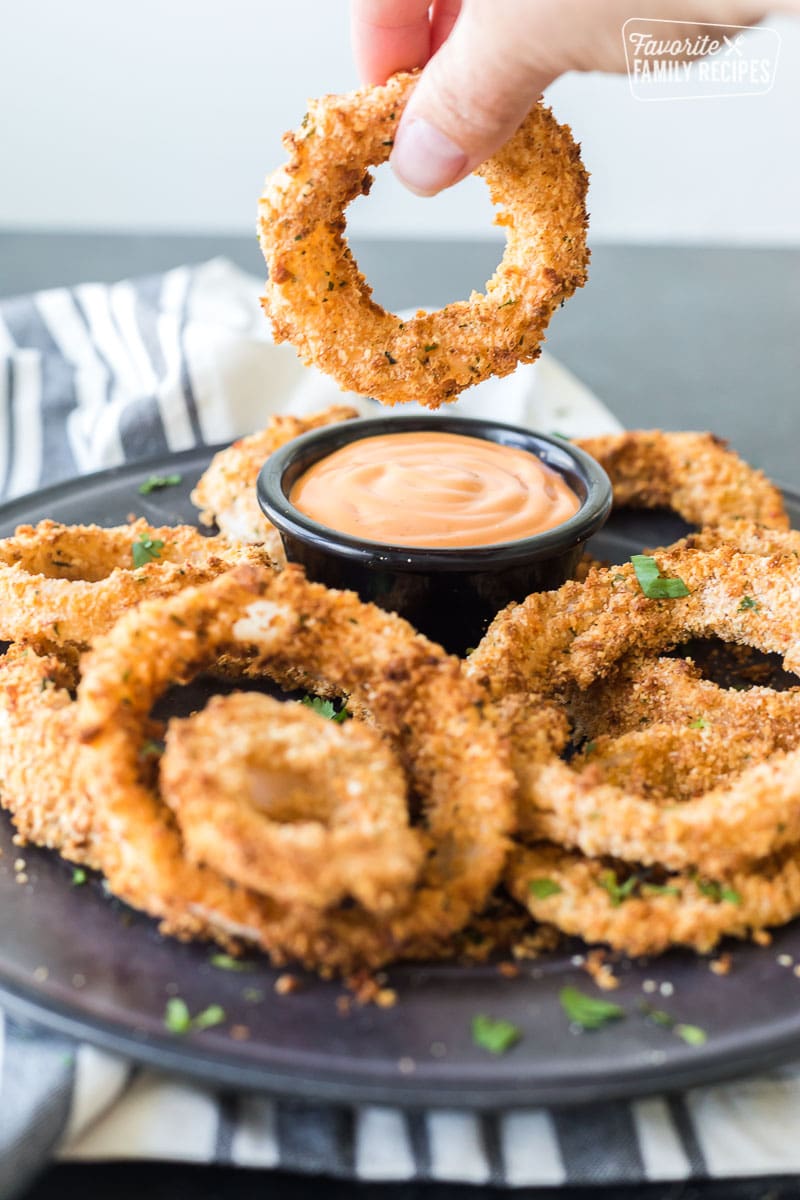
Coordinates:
[325,708]
[154,483]
[748,604]
[660,889]
[698,723]
[151,749]
[506,303]
[146,550]
[693,1035]
[653,584]
[618,892]
[226,962]
[718,892]
[590,1012]
[78,877]
[178,1019]
[542,888]
[494,1034]
[431,346]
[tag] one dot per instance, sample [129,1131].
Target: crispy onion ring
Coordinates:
[578,634]
[671,691]
[649,922]
[226,491]
[317,298]
[695,474]
[61,585]
[291,804]
[298,633]
[38,755]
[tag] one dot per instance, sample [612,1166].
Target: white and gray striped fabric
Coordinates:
[96,376]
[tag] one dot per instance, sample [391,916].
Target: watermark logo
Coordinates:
[679,60]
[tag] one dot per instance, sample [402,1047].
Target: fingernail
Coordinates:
[424,158]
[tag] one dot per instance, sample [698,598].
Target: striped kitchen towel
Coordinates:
[92,377]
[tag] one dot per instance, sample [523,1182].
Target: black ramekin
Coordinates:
[451,595]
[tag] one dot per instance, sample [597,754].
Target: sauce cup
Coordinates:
[450,594]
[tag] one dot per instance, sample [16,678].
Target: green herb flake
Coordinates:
[78,877]
[431,346]
[654,585]
[506,303]
[693,1035]
[660,889]
[618,892]
[226,962]
[154,483]
[146,550]
[542,888]
[176,1016]
[718,892]
[699,723]
[748,604]
[589,1012]
[151,749]
[494,1034]
[252,995]
[325,708]
[178,1019]
[209,1017]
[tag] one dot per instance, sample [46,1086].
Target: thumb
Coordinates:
[471,97]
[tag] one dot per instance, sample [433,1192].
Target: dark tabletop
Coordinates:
[677,337]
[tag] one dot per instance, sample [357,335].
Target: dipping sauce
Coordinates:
[435,490]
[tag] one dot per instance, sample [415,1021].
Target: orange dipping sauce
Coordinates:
[435,490]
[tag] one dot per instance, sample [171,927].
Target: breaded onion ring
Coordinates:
[317,298]
[694,474]
[299,633]
[748,536]
[644,692]
[61,585]
[291,804]
[579,633]
[38,755]
[226,491]
[683,910]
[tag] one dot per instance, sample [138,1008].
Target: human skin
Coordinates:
[485,62]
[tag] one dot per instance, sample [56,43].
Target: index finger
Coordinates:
[389,36]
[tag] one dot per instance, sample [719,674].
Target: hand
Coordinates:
[486,62]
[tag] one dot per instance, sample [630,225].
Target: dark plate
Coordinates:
[83,964]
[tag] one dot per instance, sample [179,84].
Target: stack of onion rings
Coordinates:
[299,634]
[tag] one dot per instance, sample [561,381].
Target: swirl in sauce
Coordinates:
[435,490]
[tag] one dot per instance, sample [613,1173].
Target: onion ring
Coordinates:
[288,803]
[226,491]
[579,633]
[695,474]
[684,911]
[644,692]
[38,755]
[298,633]
[573,636]
[61,585]
[317,298]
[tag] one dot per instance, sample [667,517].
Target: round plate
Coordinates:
[80,962]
